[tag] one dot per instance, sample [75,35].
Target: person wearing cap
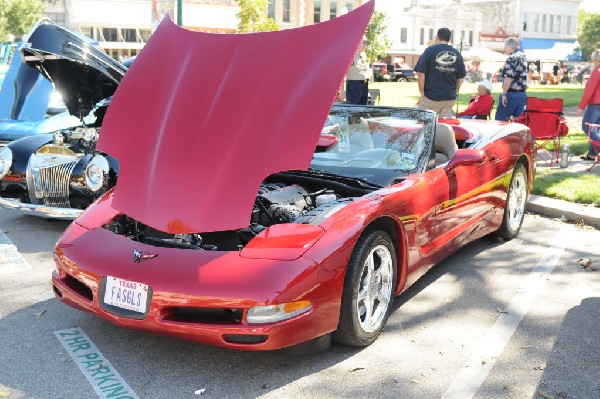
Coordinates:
[480,106]
[358,76]
[440,72]
[513,98]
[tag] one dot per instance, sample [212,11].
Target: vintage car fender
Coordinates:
[22,150]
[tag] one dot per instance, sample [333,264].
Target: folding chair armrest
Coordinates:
[520,119]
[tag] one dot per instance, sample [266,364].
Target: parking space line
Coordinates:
[479,365]
[102,376]
[10,255]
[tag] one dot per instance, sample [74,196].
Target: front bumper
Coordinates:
[186,285]
[40,210]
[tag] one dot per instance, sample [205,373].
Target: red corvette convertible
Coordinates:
[259,217]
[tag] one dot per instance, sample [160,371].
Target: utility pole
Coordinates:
[180,12]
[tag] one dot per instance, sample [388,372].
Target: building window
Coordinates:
[271,9]
[470,38]
[544,23]
[145,34]
[536,23]
[422,36]
[551,24]
[110,34]
[332,10]
[569,21]
[558,23]
[129,35]
[431,36]
[317,11]
[87,31]
[525,17]
[286,11]
[349,6]
[403,35]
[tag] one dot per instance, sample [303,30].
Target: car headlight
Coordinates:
[95,172]
[6,158]
[275,313]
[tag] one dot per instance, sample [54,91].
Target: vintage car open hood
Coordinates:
[82,73]
[209,116]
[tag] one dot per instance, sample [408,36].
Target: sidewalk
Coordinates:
[555,208]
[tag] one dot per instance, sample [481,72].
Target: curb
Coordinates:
[560,209]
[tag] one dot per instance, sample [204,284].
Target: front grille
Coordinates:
[48,180]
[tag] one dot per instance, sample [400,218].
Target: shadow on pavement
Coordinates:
[572,368]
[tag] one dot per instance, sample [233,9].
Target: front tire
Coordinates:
[516,199]
[369,288]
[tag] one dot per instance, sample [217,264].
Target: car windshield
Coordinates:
[380,145]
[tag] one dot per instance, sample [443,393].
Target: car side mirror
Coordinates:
[466,157]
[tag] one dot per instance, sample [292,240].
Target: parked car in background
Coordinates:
[58,174]
[380,72]
[209,234]
[401,74]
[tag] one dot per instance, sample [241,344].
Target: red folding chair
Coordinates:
[547,124]
[594,143]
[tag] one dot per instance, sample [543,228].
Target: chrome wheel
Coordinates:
[516,198]
[369,288]
[375,289]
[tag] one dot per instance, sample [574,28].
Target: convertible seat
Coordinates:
[445,143]
[359,137]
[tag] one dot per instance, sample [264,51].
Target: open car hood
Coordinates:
[209,116]
[82,73]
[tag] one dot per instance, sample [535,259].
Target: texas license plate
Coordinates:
[126,294]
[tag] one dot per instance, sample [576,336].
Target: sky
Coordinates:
[591,5]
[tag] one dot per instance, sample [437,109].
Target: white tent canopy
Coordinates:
[483,54]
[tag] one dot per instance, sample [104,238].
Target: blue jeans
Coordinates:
[357,92]
[591,115]
[515,104]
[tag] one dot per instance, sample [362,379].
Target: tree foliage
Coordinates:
[253,16]
[378,40]
[18,16]
[589,33]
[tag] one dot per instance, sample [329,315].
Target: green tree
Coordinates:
[18,16]
[253,16]
[589,33]
[378,40]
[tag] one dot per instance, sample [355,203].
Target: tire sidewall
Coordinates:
[355,269]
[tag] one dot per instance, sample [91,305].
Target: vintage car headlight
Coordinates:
[95,172]
[6,158]
[275,313]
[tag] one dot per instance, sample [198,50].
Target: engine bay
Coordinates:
[277,202]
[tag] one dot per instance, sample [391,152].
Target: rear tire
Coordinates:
[516,199]
[369,288]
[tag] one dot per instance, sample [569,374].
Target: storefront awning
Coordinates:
[549,49]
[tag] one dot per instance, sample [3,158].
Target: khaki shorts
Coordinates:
[444,108]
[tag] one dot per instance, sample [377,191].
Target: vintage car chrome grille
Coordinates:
[48,180]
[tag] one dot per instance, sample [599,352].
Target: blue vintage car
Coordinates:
[29,104]
[57,173]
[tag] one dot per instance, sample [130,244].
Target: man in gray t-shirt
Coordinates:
[440,72]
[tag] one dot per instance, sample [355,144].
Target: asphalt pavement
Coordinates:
[564,210]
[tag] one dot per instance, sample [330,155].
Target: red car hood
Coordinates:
[201,119]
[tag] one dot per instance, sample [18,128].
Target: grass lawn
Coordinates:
[549,182]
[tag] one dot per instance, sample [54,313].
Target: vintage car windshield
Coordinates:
[381,145]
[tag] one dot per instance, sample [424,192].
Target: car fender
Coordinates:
[22,150]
